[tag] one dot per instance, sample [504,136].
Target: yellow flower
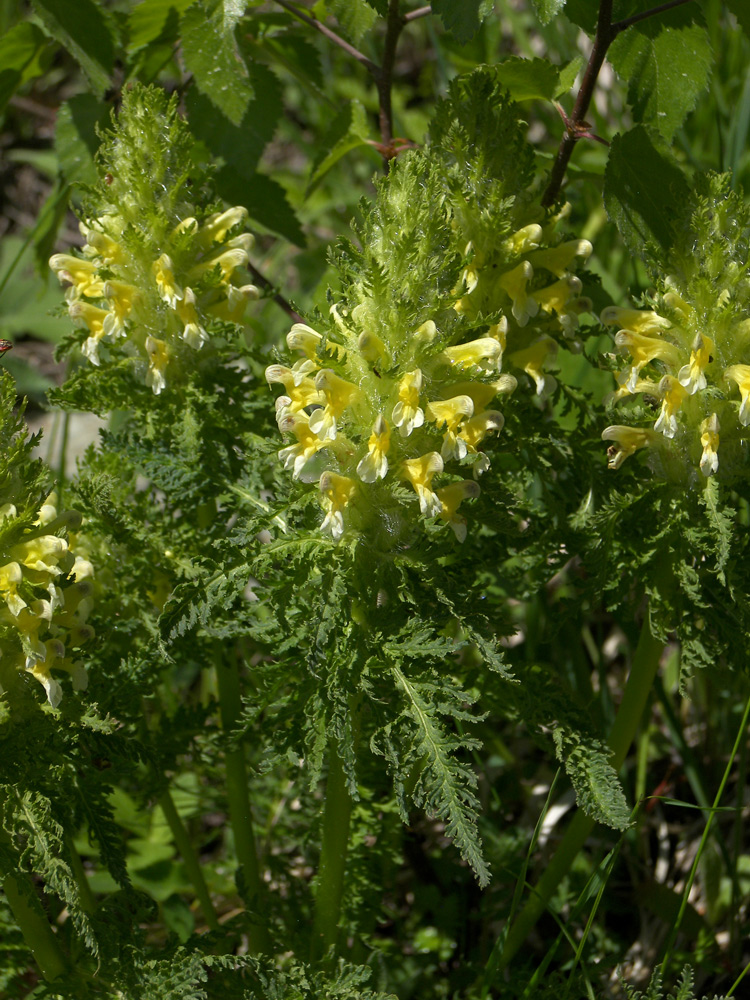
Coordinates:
[300,392]
[82,274]
[158,359]
[419,472]
[485,353]
[674,393]
[450,497]
[558,259]
[642,321]
[375,463]
[121,297]
[710,444]
[193,333]
[642,350]
[166,285]
[10,579]
[627,441]
[94,319]
[692,375]
[296,456]
[451,412]
[741,375]
[407,413]
[338,395]
[338,491]
[514,282]
[532,359]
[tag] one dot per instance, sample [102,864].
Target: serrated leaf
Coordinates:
[210,53]
[644,189]
[239,145]
[666,69]
[76,141]
[148,19]
[20,58]
[356,17]
[528,79]
[547,9]
[462,17]
[264,199]
[81,27]
[348,131]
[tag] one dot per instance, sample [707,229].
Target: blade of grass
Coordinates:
[704,840]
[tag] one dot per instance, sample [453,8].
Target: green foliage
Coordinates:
[359,729]
[666,67]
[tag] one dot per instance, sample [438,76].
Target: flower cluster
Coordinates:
[156,270]
[369,414]
[46,595]
[688,357]
[527,277]
[152,301]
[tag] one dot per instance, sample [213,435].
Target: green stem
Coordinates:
[37,933]
[333,851]
[638,687]
[189,857]
[227,675]
[85,895]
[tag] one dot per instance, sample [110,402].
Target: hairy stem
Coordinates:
[37,933]
[606,32]
[637,689]
[228,678]
[189,857]
[333,851]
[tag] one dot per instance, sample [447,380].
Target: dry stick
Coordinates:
[331,35]
[606,32]
[419,12]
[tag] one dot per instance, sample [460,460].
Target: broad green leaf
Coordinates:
[240,146]
[81,27]
[741,10]
[462,17]
[356,17]
[381,6]
[148,19]
[210,53]
[76,141]
[644,190]
[547,9]
[666,69]
[348,130]
[22,53]
[528,79]
[264,199]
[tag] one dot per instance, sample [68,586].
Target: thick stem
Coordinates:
[279,299]
[37,933]
[189,857]
[637,689]
[85,895]
[227,675]
[333,851]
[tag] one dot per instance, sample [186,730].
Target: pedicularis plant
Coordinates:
[328,671]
